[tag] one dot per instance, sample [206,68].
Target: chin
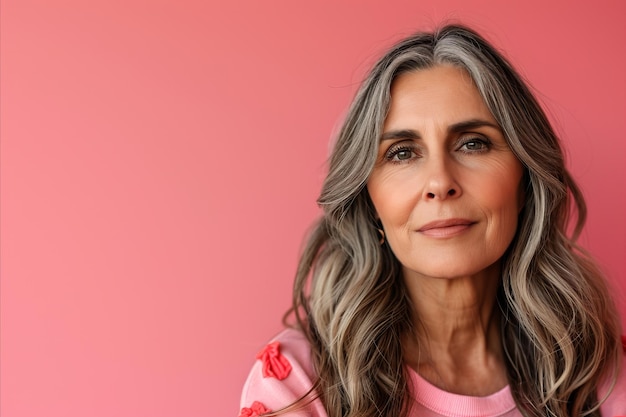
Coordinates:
[449,272]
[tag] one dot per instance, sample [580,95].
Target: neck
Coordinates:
[456,342]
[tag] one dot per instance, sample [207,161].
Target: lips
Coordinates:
[445,227]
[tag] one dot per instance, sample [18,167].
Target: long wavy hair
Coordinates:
[560,331]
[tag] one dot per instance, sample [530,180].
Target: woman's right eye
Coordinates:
[400,154]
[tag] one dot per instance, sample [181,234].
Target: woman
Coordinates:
[440,279]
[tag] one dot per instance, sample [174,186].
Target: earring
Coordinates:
[381,232]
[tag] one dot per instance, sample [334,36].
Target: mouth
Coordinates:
[445,228]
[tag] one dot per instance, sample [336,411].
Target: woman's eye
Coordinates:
[475,145]
[400,154]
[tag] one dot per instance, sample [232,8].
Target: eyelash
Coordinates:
[393,152]
[484,142]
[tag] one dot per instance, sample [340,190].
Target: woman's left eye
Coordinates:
[474,145]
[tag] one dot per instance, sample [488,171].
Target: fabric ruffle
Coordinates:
[255,410]
[274,363]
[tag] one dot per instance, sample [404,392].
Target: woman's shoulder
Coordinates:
[615,404]
[281,375]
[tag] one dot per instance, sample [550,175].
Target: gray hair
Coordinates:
[560,332]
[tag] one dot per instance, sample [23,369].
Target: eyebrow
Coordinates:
[454,128]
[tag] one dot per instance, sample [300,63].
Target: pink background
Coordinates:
[160,162]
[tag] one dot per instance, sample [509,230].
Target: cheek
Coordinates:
[504,198]
[393,196]
[501,181]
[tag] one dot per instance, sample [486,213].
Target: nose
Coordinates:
[440,181]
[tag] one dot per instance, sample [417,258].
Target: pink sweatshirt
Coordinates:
[283,373]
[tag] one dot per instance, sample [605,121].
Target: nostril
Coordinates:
[430,195]
[452,192]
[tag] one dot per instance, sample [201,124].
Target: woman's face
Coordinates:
[446,186]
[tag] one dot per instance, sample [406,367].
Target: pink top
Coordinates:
[283,373]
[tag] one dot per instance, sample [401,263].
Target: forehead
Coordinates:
[441,94]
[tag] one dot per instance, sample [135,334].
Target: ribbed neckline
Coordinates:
[448,404]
